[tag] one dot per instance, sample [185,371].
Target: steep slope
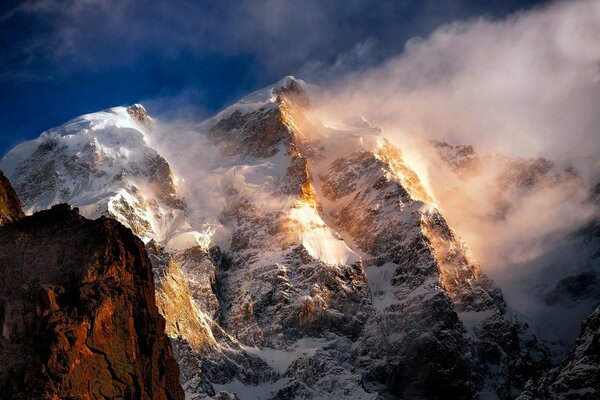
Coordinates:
[578,376]
[553,275]
[292,277]
[423,279]
[335,275]
[288,287]
[78,313]
[102,163]
[10,206]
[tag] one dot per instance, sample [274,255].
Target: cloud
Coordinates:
[360,57]
[57,37]
[525,86]
[70,57]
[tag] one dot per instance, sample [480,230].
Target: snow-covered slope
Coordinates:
[335,276]
[102,163]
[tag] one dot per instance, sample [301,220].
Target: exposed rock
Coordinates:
[254,134]
[206,353]
[78,312]
[102,162]
[10,206]
[139,113]
[578,376]
[292,90]
[462,159]
[440,323]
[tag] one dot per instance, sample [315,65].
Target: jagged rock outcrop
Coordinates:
[461,159]
[578,376]
[207,354]
[78,312]
[451,316]
[10,206]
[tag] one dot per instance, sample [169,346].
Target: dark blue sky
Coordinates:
[63,58]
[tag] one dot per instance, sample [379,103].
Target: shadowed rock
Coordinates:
[10,206]
[78,312]
[578,376]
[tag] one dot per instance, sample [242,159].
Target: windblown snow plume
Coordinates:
[524,87]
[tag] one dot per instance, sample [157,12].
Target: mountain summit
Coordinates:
[292,259]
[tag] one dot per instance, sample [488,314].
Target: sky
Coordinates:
[61,59]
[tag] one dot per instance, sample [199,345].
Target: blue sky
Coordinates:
[63,58]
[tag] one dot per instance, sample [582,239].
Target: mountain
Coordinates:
[10,206]
[556,278]
[292,259]
[578,376]
[77,310]
[102,163]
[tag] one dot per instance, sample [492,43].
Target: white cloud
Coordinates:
[528,85]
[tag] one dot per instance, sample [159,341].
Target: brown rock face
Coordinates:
[10,206]
[78,312]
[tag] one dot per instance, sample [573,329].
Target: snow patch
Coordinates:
[280,360]
[321,242]
[251,392]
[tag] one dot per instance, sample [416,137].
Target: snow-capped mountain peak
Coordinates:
[102,163]
[336,277]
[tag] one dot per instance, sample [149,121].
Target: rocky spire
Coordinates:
[78,312]
[10,206]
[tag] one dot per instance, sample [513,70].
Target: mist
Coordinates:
[517,90]
[527,86]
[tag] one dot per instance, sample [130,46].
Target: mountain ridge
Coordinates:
[335,260]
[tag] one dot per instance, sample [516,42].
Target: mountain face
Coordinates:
[102,163]
[10,206]
[559,286]
[578,376]
[77,311]
[291,259]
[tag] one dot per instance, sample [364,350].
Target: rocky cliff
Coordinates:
[578,376]
[78,312]
[10,206]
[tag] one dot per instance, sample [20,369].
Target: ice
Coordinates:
[99,163]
